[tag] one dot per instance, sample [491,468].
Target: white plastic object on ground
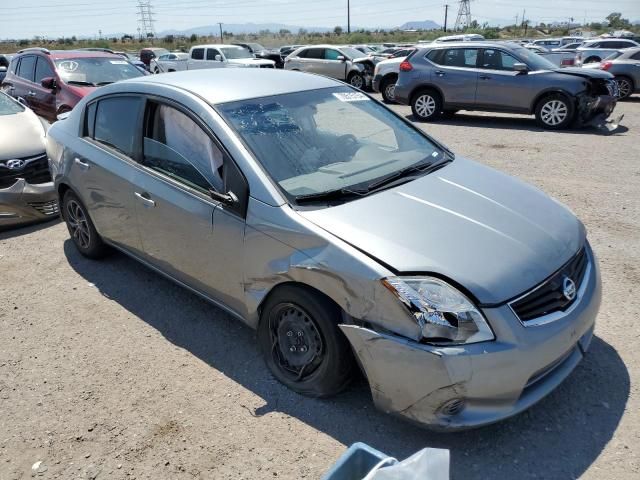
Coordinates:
[427,464]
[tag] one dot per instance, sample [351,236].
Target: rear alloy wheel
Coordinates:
[356,80]
[83,233]
[554,112]
[387,88]
[426,105]
[301,343]
[625,87]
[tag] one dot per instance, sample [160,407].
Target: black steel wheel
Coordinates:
[81,228]
[302,344]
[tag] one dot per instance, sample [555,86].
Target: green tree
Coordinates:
[337,30]
[616,21]
[193,38]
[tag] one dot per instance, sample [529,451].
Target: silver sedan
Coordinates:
[340,232]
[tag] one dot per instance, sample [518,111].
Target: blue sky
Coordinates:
[27,18]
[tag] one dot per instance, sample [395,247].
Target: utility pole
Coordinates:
[446,10]
[221,38]
[348,16]
[523,14]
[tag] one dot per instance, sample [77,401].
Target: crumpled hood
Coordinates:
[585,72]
[21,135]
[491,233]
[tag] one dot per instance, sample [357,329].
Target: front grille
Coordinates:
[549,297]
[46,208]
[34,170]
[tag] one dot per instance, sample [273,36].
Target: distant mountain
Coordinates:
[241,28]
[417,25]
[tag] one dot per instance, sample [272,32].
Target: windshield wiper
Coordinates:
[329,195]
[101,84]
[80,82]
[421,167]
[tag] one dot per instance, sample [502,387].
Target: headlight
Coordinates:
[443,313]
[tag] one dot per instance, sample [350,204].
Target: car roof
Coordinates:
[468,44]
[222,85]
[63,54]
[217,45]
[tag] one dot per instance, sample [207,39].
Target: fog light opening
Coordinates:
[452,407]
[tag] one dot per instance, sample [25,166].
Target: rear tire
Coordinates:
[554,112]
[302,344]
[81,228]
[426,105]
[625,86]
[387,88]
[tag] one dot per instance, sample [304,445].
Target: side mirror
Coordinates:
[48,82]
[342,58]
[218,58]
[228,198]
[520,67]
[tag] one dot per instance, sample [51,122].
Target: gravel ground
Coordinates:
[109,371]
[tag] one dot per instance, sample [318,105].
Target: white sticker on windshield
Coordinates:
[118,62]
[68,65]
[351,96]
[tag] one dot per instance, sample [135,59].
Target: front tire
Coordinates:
[387,89]
[301,343]
[554,112]
[426,105]
[356,80]
[625,87]
[81,228]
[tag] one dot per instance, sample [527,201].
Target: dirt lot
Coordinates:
[109,371]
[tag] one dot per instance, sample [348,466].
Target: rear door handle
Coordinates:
[485,77]
[144,198]
[31,94]
[440,73]
[81,163]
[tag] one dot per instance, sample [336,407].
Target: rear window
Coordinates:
[315,53]
[197,53]
[116,123]
[9,106]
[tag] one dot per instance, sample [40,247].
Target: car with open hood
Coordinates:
[26,189]
[441,79]
[341,232]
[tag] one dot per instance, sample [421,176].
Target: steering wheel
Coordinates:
[349,143]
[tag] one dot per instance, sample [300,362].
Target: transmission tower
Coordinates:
[145,18]
[463,20]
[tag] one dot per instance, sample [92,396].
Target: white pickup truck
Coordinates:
[214,56]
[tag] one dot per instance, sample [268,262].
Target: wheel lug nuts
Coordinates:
[289,333]
[300,334]
[303,349]
[292,349]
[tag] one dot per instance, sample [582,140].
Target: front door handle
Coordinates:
[485,77]
[440,73]
[31,94]
[81,163]
[144,198]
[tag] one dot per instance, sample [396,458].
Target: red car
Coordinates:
[52,82]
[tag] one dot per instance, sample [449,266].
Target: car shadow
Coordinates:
[514,123]
[558,438]
[25,229]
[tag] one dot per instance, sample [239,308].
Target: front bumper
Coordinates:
[595,110]
[23,203]
[376,83]
[467,386]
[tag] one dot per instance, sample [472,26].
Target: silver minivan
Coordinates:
[346,236]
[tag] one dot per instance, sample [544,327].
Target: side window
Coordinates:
[211,53]
[27,67]
[177,147]
[636,56]
[43,70]
[116,120]
[197,54]
[13,66]
[460,57]
[90,120]
[331,54]
[497,60]
[303,53]
[315,53]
